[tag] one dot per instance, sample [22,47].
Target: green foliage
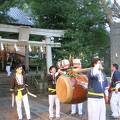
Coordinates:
[86,35]
[51,14]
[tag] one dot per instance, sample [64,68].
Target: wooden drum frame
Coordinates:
[72,89]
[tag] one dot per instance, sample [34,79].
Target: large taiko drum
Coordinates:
[72,89]
[63,64]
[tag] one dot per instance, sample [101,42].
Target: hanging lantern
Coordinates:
[16,48]
[30,49]
[41,49]
[2,47]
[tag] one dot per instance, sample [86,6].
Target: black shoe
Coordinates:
[73,114]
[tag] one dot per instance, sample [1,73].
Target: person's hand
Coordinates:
[106,99]
[95,70]
[59,71]
[98,66]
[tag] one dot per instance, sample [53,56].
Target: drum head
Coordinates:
[72,90]
[64,89]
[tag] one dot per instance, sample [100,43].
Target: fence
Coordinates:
[37,82]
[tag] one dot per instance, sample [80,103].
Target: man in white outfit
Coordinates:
[53,99]
[115,94]
[19,90]
[8,65]
[97,91]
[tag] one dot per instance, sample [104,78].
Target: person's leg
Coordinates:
[114,104]
[51,104]
[119,103]
[26,106]
[80,108]
[73,108]
[7,70]
[57,102]
[19,108]
[102,109]
[93,110]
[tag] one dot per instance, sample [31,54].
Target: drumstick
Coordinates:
[13,99]
[78,70]
[33,95]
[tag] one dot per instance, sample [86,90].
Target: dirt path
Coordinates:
[39,110]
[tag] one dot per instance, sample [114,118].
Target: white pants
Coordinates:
[115,104]
[96,109]
[26,106]
[74,108]
[54,99]
[8,70]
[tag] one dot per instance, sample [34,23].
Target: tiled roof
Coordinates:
[20,17]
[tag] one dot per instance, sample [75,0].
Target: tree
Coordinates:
[50,14]
[83,20]
[5,5]
[86,36]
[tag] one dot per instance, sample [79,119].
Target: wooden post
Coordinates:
[26,58]
[48,53]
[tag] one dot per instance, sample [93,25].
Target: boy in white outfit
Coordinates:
[52,94]
[18,88]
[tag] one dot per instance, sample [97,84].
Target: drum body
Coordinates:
[72,89]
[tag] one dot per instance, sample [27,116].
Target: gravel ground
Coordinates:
[39,110]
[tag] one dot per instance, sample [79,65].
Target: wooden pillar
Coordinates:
[26,58]
[24,32]
[48,53]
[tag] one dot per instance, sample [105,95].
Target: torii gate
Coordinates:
[24,33]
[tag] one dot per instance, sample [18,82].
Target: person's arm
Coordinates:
[25,80]
[116,77]
[92,73]
[106,91]
[106,95]
[49,78]
[12,84]
[12,90]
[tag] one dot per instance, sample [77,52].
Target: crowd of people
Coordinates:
[100,92]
